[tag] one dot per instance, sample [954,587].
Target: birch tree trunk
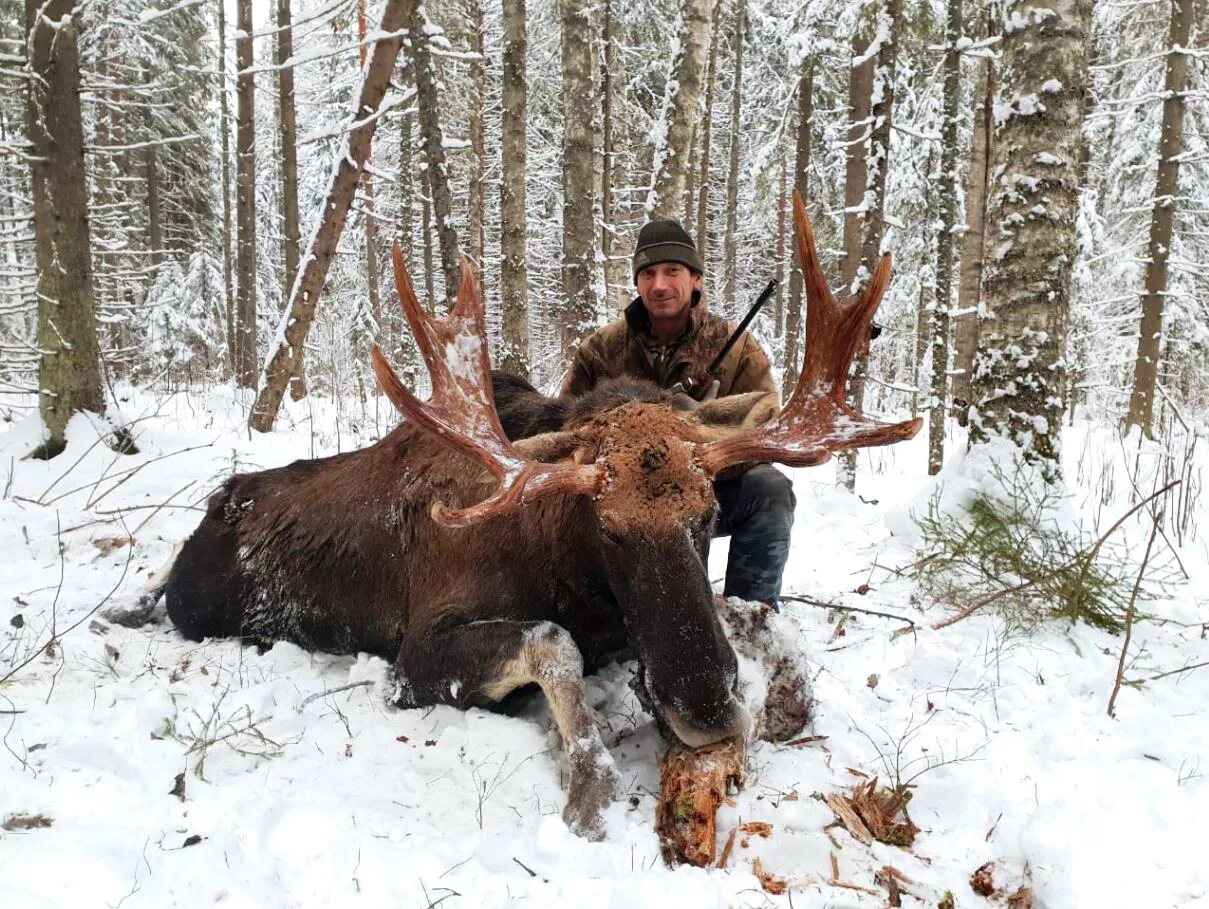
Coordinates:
[69,361]
[296,322]
[681,110]
[1167,185]
[1019,372]
[514,278]
[245,201]
[224,126]
[729,245]
[969,287]
[945,241]
[288,133]
[428,102]
[801,182]
[580,305]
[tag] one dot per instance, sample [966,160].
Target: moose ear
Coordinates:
[745,411]
[550,447]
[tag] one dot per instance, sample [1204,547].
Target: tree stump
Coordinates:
[694,785]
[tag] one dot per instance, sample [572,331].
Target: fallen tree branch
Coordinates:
[810,601]
[322,694]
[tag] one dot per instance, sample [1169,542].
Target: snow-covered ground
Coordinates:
[340,800]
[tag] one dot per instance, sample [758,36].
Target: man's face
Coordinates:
[667,289]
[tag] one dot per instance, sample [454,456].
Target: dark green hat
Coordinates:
[665,241]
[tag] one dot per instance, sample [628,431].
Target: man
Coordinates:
[669,337]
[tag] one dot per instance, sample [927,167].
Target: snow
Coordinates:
[343,800]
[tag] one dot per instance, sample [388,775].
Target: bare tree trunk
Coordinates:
[297,320]
[245,202]
[681,111]
[430,280]
[616,270]
[879,142]
[224,125]
[969,287]
[1167,185]
[155,237]
[801,182]
[477,207]
[706,143]
[782,206]
[946,240]
[373,286]
[514,278]
[428,102]
[874,218]
[288,133]
[69,364]
[580,305]
[856,174]
[1020,372]
[729,244]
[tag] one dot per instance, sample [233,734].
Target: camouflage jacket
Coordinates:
[626,347]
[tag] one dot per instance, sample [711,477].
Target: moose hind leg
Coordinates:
[480,663]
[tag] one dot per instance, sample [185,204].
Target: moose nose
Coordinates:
[734,721]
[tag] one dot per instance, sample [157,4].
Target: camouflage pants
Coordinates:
[756,512]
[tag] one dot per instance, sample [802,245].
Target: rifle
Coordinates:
[711,370]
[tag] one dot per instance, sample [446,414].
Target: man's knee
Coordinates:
[766,494]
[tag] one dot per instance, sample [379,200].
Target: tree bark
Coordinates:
[706,143]
[945,241]
[580,303]
[782,209]
[514,278]
[372,283]
[969,288]
[69,364]
[856,174]
[801,182]
[729,244]
[428,102]
[477,207]
[1019,372]
[245,202]
[296,323]
[856,180]
[681,110]
[288,133]
[874,217]
[224,126]
[616,266]
[1167,185]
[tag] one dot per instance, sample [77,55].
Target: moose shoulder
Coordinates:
[481,560]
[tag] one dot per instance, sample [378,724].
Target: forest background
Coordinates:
[535,139]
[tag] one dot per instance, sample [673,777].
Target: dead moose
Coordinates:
[480,564]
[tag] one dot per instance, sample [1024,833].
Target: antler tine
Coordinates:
[461,412]
[818,420]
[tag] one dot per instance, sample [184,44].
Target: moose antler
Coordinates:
[817,420]
[461,412]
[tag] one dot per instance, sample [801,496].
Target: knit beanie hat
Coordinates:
[665,241]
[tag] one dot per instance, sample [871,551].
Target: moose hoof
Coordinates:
[591,792]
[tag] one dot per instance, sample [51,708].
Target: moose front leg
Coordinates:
[480,663]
